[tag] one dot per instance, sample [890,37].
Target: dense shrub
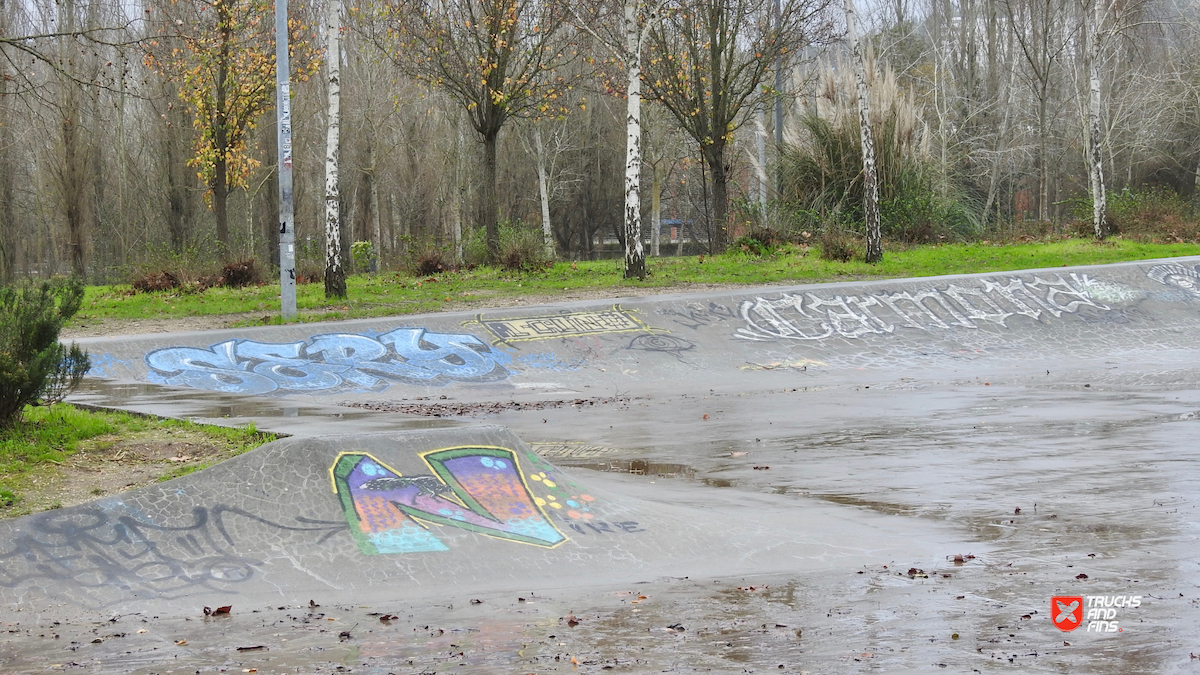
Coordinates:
[154,282]
[837,244]
[1150,213]
[240,274]
[431,261]
[521,247]
[35,368]
[822,167]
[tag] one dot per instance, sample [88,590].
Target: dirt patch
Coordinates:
[457,409]
[108,465]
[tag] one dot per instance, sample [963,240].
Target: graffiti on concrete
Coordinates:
[561,325]
[330,362]
[477,489]
[660,343]
[810,316]
[1174,274]
[90,548]
[694,315]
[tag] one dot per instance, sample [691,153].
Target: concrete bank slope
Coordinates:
[408,516]
[732,340]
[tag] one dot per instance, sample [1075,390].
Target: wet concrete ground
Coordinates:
[1068,470]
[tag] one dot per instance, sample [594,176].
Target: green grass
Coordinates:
[46,438]
[394,293]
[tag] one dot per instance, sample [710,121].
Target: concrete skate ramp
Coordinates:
[409,515]
[740,339]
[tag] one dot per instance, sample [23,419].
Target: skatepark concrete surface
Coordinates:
[892,476]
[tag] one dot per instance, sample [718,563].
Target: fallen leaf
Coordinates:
[388,617]
[181,642]
[208,611]
[313,603]
[1081,575]
[1017,511]
[571,620]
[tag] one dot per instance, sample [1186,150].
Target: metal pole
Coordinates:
[287,224]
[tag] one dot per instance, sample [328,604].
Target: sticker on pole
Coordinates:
[1067,611]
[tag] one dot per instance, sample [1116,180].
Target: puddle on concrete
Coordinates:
[851,500]
[637,467]
[215,407]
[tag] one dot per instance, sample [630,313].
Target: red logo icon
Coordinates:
[1067,611]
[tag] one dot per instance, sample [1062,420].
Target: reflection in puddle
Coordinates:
[881,507]
[637,467]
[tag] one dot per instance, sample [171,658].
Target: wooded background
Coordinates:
[111,163]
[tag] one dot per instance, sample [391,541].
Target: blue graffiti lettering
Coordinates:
[334,361]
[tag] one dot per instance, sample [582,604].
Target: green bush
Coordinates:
[35,369]
[521,247]
[363,255]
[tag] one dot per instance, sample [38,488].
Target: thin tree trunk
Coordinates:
[655,209]
[335,275]
[1095,130]
[1042,163]
[74,157]
[760,168]
[488,205]
[635,255]
[870,174]
[543,193]
[220,184]
[10,239]
[459,189]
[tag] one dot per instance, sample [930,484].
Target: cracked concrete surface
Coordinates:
[802,465]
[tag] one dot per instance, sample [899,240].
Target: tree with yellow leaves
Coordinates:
[221,53]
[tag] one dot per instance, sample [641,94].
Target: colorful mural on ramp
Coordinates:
[477,489]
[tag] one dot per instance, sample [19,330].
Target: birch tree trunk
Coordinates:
[635,255]
[335,276]
[870,173]
[1095,130]
[544,193]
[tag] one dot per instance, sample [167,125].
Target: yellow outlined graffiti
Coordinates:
[477,488]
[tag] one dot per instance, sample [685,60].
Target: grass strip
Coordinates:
[34,451]
[390,294]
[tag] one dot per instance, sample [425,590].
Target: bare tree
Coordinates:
[710,59]
[496,58]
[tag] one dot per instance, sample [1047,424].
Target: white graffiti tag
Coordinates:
[809,316]
[335,360]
